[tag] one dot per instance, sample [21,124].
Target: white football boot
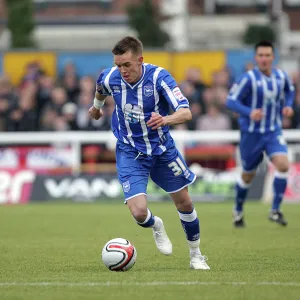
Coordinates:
[161,238]
[198,262]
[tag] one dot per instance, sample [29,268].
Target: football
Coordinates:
[119,255]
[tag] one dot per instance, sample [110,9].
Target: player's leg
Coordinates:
[133,172]
[280,182]
[191,226]
[277,151]
[172,174]
[241,190]
[144,217]
[251,151]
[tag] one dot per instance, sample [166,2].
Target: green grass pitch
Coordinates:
[53,251]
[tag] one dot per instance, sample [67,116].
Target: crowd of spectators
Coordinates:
[43,103]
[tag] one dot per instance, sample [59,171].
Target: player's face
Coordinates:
[264,58]
[130,66]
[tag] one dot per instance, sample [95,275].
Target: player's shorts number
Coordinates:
[177,166]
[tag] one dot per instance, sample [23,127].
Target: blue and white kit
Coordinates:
[141,151]
[271,93]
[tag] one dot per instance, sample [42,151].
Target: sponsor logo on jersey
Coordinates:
[116,89]
[132,113]
[177,94]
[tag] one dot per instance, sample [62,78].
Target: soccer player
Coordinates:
[261,97]
[143,94]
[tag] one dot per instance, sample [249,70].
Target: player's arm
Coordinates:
[289,91]
[235,99]
[238,92]
[96,110]
[99,100]
[100,95]
[289,95]
[180,116]
[167,87]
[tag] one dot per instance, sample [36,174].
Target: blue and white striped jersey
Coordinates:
[256,90]
[156,91]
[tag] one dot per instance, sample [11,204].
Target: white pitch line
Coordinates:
[154,283]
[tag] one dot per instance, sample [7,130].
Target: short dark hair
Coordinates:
[126,44]
[263,44]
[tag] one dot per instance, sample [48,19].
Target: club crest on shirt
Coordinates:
[148,90]
[126,186]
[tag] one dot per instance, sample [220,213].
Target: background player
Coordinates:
[261,97]
[143,94]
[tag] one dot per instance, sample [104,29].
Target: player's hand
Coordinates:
[287,111]
[256,114]
[156,121]
[95,113]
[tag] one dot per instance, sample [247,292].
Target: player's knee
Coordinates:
[248,177]
[182,200]
[184,204]
[139,214]
[248,180]
[281,163]
[283,167]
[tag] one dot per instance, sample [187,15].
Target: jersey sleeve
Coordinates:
[237,94]
[241,89]
[100,85]
[169,89]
